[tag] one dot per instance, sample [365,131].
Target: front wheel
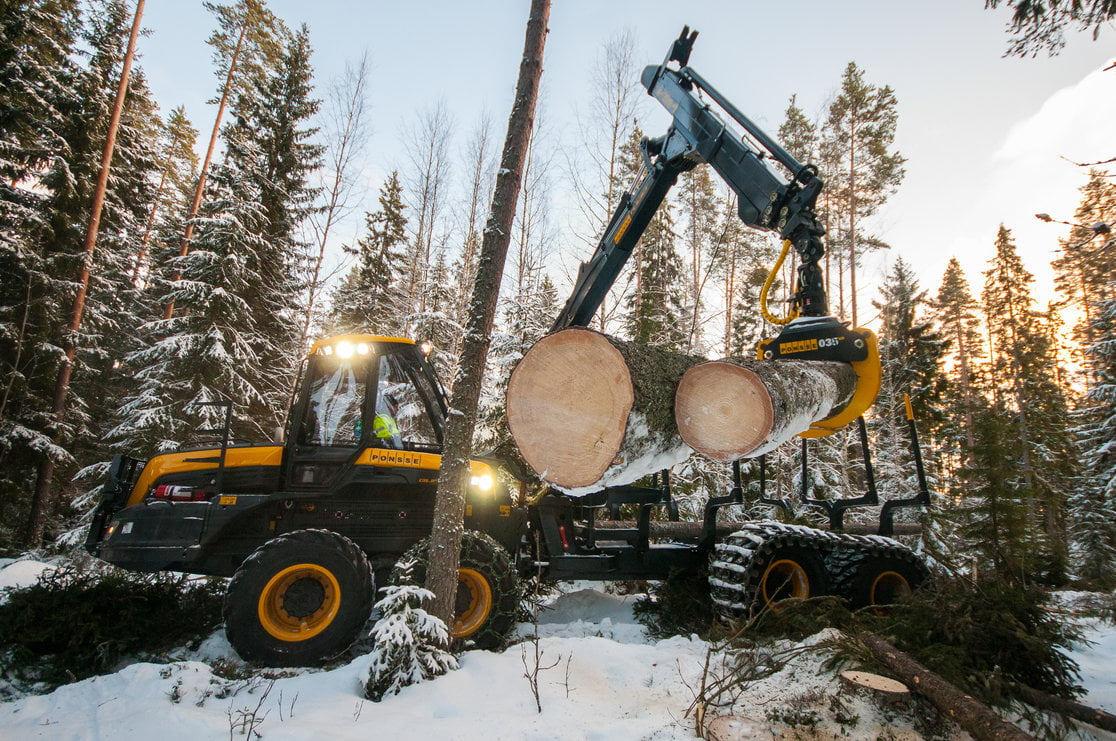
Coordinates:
[299,599]
[487,588]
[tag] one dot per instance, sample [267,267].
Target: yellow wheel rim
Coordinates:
[299,602]
[889,587]
[784,579]
[474,603]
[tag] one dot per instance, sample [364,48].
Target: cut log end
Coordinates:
[567,422]
[723,410]
[882,687]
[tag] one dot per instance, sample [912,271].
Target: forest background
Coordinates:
[348,204]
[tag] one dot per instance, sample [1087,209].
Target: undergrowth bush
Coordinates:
[679,605]
[74,623]
[984,637]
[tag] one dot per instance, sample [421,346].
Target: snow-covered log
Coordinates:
[588,410]
[732,409]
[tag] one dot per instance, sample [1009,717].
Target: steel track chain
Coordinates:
[737,561]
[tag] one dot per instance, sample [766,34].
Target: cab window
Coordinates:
[335,403]
[402,420]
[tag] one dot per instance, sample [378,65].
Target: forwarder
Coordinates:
[307,527]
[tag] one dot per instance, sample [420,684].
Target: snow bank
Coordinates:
[17,574]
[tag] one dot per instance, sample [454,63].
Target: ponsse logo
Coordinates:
[787,348]
[396,458]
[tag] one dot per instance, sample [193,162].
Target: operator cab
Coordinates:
[359,392]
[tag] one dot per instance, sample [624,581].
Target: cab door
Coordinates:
[328,427]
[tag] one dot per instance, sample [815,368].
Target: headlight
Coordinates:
[483,483]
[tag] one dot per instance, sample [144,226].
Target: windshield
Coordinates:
[334,409]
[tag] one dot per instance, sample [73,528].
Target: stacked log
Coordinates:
[588,410]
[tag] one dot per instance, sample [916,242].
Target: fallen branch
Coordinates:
[972,715]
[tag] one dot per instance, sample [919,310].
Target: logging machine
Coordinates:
[305,527]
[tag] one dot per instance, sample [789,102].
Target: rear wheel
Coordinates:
[487,588]
[299,599]
[879,580]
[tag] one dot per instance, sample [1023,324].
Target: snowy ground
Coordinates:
[607,680]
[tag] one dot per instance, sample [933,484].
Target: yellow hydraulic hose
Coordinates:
[767,287]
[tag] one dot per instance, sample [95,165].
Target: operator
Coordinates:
[384,425]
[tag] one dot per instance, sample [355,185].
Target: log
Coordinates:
[973,716]
[1070,708]
[588,411]
[733,409]
[666,529]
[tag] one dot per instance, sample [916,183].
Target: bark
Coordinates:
[971,715]
[449,506]
[587,410]
[732,409]
[680,530]
[1075,710]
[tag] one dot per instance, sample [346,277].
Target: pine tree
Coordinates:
[368,299]
[860,130]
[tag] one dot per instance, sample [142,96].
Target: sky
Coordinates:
[988,139]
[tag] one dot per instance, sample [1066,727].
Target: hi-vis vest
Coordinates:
[384,426]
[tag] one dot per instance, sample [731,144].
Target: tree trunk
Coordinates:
[971,715]
[1075,710]
[589,411]
[732,409]
[449,505]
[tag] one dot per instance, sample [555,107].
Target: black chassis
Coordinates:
[383,510]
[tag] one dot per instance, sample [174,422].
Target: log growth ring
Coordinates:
[723,410]
[551,397]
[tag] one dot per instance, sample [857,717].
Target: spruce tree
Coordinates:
[38,99]
[235,330]
[1026,384]
[656,314]
[955,312]
[1085,272]
[910,353]
[368,299]
[1093,503]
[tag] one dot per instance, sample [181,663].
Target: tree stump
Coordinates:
[882,688]
[732,409]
